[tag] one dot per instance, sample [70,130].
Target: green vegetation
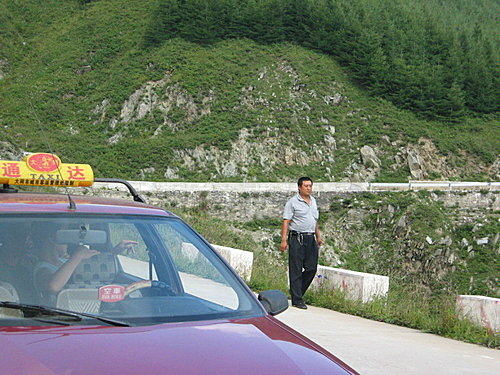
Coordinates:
[434,58]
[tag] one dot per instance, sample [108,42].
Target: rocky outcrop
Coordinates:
[369,158]
[9,152]
[4,63]
[283,111]
[176,107]
[415,165]
[248,151]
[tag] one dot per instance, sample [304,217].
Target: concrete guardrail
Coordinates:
[240,260]
[356,285]
[156,187]
[481,310]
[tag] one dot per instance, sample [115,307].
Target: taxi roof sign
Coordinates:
[42,169]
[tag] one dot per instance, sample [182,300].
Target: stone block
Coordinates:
[356,285]
[481,310]
[240,260]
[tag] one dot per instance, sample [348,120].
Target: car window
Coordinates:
[137,268]
[135,259]
[199,275]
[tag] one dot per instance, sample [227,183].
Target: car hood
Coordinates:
[257,346]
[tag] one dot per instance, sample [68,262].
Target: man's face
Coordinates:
[306,188]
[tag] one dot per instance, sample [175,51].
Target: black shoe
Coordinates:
[300,305]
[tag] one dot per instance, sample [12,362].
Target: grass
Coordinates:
[409,308]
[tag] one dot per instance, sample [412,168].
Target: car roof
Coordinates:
[43,203]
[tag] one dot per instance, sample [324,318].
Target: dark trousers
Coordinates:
[302,264]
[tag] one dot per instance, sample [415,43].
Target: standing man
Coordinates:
[300,233]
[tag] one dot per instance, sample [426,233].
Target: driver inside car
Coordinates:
[53,270]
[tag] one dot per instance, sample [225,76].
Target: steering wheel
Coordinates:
[160,287]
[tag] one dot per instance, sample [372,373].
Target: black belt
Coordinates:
[294,232]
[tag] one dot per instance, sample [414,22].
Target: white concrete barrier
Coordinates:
[356,285]
[240,260]
[319,187]
[481,310]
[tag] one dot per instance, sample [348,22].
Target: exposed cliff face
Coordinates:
[266,151]
[286,111]
[160,97]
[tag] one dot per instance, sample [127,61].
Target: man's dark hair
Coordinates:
[302,179]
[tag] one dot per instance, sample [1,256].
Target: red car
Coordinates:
[90,285]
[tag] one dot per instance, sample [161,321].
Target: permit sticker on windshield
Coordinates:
[111,293]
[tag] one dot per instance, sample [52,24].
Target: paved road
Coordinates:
[375,348]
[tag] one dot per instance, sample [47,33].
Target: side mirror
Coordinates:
[274,301]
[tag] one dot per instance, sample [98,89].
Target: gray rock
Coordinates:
[10,152]
[145,172]
[3,64]
[115,138]
[171,173]
[400,225]
[370,159]
[330,142]
[230,169]
[445,241]
[415,165]
[477,227]
[334,100]
[482,241]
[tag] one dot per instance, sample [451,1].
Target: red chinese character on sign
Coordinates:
[11,170]
[75,173]
[111,293]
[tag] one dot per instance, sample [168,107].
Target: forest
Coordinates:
[436,58]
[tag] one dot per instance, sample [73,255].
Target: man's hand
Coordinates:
[283,246]
[284,235]
[319,241]
[127,245]
[83,253]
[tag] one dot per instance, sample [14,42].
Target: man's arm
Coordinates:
[319,241]
[284,235]
[55,282]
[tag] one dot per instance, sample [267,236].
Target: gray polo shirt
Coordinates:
[302,216]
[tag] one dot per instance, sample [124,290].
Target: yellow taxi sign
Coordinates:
[42,169]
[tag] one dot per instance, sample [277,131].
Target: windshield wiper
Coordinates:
[35,311]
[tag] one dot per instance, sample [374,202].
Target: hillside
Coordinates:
[82,79]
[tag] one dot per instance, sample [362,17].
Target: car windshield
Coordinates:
[131,268]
